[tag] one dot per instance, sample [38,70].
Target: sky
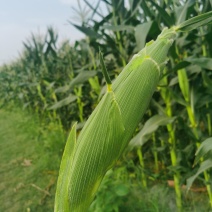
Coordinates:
[20,18]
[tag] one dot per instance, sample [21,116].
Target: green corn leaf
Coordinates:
[181,65]
[179,99]
[61,197]
[149,127]
[141,32]
[205,165]
[94,82]
[87,30]
[79,79]
[63,102]
[134,7]
[203,62]
[206,79]
[195,22]
[203,100]
[95,10]
[166,17]
[204,150]
[158,106]
[182,11]
[118,28]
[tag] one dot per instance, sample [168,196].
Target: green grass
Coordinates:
[28,168]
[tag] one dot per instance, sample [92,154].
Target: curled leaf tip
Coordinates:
[195,22]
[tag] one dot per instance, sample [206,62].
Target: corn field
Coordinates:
[172,143]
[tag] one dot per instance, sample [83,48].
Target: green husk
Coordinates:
[110,127]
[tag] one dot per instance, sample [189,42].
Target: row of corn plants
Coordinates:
[48,79]
[64,83]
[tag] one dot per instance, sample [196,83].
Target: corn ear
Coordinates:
[135,85]
[110,127]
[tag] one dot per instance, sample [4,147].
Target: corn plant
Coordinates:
[203,154]
[108,130]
